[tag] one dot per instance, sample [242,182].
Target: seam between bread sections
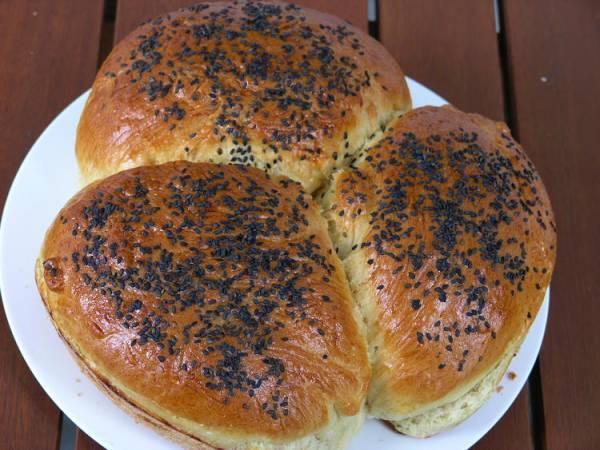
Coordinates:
[355,155]
[322,197]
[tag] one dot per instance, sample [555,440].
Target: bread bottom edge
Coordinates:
[452,413]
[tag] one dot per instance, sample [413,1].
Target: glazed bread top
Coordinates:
[286,89]
[210,296]
[448,240]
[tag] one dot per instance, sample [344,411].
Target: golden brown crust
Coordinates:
[185,440]
[286,89]
[449,243]
[208,296]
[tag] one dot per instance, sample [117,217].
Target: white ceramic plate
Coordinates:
[47,178]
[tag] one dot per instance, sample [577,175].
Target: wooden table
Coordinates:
[534,64]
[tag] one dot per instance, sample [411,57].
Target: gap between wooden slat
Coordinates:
[507,87]
[536,403]
[373,17]
[107,31]
[67,433]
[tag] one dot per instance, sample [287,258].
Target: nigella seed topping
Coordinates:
[465,252]
[215,55]
[216,285]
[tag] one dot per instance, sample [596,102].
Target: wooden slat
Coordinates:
[450,47]
[554,53]
[453,49]
[513,431]
[130,13]
[49,52]
[354,11]
[84,442]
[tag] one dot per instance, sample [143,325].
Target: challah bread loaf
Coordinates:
[289,90]
[447,236]
[206,297]
[208,300]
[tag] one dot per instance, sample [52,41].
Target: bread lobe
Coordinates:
[208,297]
[448,239]
[286,89]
